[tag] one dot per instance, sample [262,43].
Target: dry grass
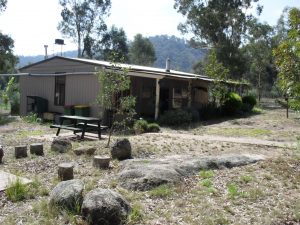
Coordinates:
[262,193]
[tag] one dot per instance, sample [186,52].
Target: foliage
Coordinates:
[209,111]
[135,214]
[182,56]
[261,71]
[114,43]
[220,24]
[205,174]
[215,70]
[195,114]
[287,58]
[175,117]
[142,51]
[31,118]
[249,102]
[7,58]
[114,83]
[162,191]
[3,5]
[16,191]
[142,126]
[232,103]
[233,190]
[11,94]
[83,21]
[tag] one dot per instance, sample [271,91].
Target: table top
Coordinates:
[83,118]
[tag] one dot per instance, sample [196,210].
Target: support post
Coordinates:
[189,94]
[157,93]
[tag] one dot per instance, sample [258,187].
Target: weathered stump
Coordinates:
[101,162]
[1,153]
[21,151]
[65,171]
[37,149]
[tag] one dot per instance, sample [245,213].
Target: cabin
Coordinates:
[63,81]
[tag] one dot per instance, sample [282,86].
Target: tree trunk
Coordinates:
[65,171]
[21,151]
[101,162]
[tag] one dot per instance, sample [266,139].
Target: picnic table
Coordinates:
[79,124]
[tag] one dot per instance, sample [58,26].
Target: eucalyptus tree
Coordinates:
[287,58]
[3,4]
[141,51]
[220,24]
[83,20]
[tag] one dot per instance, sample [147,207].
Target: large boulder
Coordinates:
[105,207]
[145,174]
[67,195]
[121,149]
[87,150]
[61,145]
[1,153]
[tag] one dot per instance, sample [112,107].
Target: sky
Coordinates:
[33,23]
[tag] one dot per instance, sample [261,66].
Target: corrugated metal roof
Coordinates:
[132,68]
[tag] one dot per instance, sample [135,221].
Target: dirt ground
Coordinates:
[262,193]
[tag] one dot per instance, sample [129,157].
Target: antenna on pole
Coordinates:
[60,42]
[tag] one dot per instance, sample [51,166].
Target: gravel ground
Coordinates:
[263,193]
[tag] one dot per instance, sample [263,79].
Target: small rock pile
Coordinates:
[99,206]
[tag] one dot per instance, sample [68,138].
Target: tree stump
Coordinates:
[21,151]
[1,153]
[37,149]
[101,162]
[65,171]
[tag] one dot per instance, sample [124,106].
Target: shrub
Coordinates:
[194,113]
[140,126]
[31,118]
[209,111]
[175,117]
[153,127]
[249,102]
[232,104]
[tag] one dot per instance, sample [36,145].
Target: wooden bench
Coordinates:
[91,125]
[80,124]
[74,129]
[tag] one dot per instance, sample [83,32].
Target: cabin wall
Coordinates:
[79,90]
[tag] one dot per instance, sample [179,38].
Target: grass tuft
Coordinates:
[162,191]
[16,191]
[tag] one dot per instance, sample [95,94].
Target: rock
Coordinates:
[145,174]
[21,151]
[37,149]
[65,171]
[101,162]
[61,145]
[1,153]
[88,150]
[67,195]
[105,207]
[121,149]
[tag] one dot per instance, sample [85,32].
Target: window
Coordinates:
[60,86]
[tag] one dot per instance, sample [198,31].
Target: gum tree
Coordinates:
[83,21]
[287,59]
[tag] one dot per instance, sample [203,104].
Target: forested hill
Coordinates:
[182,56]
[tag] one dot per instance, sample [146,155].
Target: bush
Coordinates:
[175,117]
[250,101]
[232,104]
[31,118]
[209,111]
[140,126]
[153,127]
[194,113]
